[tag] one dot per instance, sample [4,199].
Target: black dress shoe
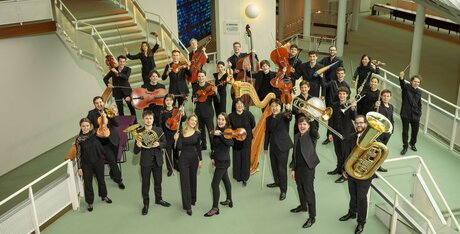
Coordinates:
[203,147]
[189,212]
[347,217]
[121,185]
[90,207]
[163,203]
[359,228]
[107,199]
[227,202]
[299,209]
[282,196]
[412,147]
[245,183]
[341,179]
[404,150]
[213,211]
[381,169]
[170,173]
[309,223]
[273,185]
[145,210]
[334,172]
[325,142]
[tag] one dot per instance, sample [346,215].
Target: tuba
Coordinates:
[147,137]
[368,155]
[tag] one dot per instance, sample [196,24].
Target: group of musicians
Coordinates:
[183,145]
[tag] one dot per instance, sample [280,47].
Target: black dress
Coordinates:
[172,155]
[221,106]
[242,149]
[363,73]
[148,62]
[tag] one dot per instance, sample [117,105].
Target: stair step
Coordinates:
[123,39]
[114,19]
[123,31]
[113,13]
[110,25]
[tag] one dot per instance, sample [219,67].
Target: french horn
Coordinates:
[147,137]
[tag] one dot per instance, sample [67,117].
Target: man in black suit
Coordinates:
[411,110]
[232,60]
[122,88]
[151,162]
[304,161]
[177,82]
[110,144]
[152,86]
[307,71]
[357,189]
[277,137]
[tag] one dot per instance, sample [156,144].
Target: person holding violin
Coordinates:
[241,118]
[120,83]
[293,59]
[277,137]
[307,71]
[263,78]
[90,162]
[204,94]
[152,86]
[146,55]
[171,119]
[110,143]
[189,143]
[364,72]
[151,162]
[220,78]
[220,159]
[176,71]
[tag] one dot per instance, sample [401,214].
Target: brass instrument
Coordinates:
[314,108]
[147,137]
[368,155]
[111,111]
[347,104]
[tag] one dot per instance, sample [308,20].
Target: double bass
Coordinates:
[198,60]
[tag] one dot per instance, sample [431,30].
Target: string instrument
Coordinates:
[203,94]
[198,60]
[286,87]
[103,131]
[324,69]
[280,56]
[378,63]
[176,67]
[142,98]
[110,61]
[239,134]
[173,122]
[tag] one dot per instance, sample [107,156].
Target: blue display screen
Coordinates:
[194,19]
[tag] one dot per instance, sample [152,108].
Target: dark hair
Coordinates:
[236,43]
[168,95]
[263,62]
[385,91]
[82,120]
[374,77]
[121,57]
[175,51]
[147,113]
[311,52]
[343,89]
[154,71]
[419,77]
[202,71]
[95,98]
[238,100]
[361,61]
[294,46]
[277,101]
[304,82]
[340,69]
[303,119]
[227,121]
[361,116]
[149,50]
[221,63]
[332,46]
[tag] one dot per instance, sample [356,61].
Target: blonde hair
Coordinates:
[196,128]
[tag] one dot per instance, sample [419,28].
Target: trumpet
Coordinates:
[315,108]
[348,103]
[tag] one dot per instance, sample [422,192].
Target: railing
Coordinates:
[439,116]
[20,11]
[313,43]
[400,202]
[42,205]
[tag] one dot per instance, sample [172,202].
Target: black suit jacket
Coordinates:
[149,155]
[331,73]
[411,107]
[94,114]
[221,147]
[278,133]
[120,80]
[204,109]
[308,148]
[342,122]
[177,83]
[306,72]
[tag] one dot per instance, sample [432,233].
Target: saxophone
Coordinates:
[368,155]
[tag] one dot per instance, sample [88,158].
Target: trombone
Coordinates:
[348,103]
[316,109]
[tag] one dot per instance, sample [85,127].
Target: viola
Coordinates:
[198,60]
[176,67]
[142,98]
[103,131]
[286,88]
[239,134]
[172,123]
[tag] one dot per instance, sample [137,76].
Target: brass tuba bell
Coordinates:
[368,155]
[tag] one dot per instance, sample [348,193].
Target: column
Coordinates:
[355,15]
[341,21]
[417,40]
[306,18]
[281,19]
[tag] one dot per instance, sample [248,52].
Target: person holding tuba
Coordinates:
[150,144]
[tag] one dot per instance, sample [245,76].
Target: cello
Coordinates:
[142,98]
[112,64]
[280,56]
[198,60]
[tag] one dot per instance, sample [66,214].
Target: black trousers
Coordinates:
[188,166]
[96,169]
[157,178]
[179,100]
[111,158]
[220,174]
[405,134]
[119,102]
[358,190]
[342,149]
[209,124]
[221,106]
[171,153]
[241,163]
[304,178]
[384,138]
[278,160]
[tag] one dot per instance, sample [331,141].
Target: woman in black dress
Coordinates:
[146,55]
[188,142]
[371,95]
[90,162]
[220,78]
[363,73]
[242,118]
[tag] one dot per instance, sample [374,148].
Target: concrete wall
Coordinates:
[167,10]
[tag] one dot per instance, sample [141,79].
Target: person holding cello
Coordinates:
[152,86]
[204,93]
[171,119]
[194,48]
[176,71]
[146,55]
[220,159]
[263,78]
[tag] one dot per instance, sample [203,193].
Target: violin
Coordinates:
[198,60]
[203,94]
[172,123]
[280,56]
[286,87]
[176,67]
[142,98]
[103,131]
[239,134]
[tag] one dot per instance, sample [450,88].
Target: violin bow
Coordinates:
[408,65]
